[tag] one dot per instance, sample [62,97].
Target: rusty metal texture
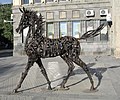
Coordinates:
[37,46]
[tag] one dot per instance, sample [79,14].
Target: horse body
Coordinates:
[46,47]
[37,46]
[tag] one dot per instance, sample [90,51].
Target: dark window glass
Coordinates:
[25,2]
[37,1]
[49,0]
[62,0]
[104,32]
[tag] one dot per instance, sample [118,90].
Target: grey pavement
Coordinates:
[105,71]
[6,52]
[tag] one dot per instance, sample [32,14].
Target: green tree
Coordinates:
[5,14]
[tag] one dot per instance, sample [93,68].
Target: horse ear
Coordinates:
[20,10]
[40,15]
[24,9]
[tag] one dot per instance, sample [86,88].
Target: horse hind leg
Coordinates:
[80,63]
[24,74]
[39,62]
[70,70]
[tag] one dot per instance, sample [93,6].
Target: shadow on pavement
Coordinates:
[98,72]
[6,53]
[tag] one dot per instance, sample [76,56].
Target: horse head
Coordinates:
[28,19]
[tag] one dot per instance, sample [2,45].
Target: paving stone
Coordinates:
[105,71]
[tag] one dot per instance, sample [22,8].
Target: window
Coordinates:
[96,25]
[50,15]
[63,29]
[80,27]
[50,30]
[104,32]
[90,26]
[93,24]
[63,14]
[62,0]
[37,1]
[76,29]
[49,0]
[25,1]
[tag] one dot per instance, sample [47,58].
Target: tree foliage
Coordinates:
[6,28]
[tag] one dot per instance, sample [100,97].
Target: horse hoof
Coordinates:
[14,91]
[63,88]
[92,88]
[49,88]
[90,91]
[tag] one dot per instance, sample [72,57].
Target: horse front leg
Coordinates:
[39,62]
[24,74]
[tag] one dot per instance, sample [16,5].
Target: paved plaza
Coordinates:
[105,71]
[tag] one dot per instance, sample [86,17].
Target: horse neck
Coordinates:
[35,32]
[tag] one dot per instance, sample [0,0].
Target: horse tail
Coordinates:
[93,33]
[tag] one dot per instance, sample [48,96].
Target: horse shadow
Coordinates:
[98,72]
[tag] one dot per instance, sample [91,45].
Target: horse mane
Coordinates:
[37,23]
[39,26]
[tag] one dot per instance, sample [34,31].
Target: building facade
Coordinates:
[74,18]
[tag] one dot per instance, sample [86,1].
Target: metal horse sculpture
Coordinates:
[37,46]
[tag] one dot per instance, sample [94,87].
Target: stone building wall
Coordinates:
[116,28]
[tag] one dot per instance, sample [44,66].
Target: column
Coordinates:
[56,29]
[69,28]
[116,26]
